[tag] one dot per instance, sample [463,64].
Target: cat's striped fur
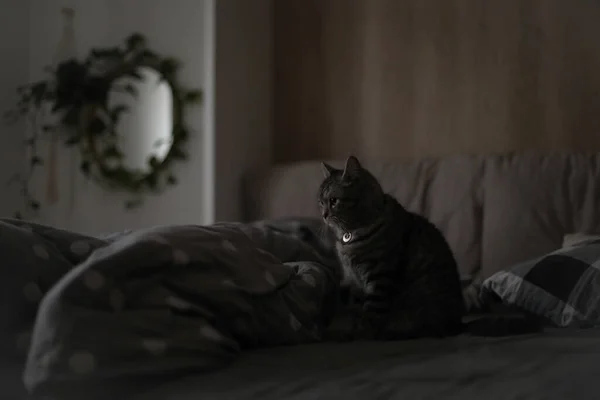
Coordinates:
[399,264]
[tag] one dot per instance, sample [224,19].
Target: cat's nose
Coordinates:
[325,214]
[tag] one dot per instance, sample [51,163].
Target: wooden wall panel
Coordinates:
[412,78]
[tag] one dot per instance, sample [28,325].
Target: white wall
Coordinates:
[14,36]
[225,49]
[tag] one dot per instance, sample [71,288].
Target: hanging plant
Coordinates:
[76,95]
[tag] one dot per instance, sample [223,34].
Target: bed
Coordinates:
[275,277]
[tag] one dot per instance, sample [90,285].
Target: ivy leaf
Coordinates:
[107,53]
[112,152]
[72,141]
[135,41]
[193,97]
[117,111]
[151,180]
[168,67]
[47,128]
[96,126]
[57,106]
[178,153]
[85,167]
[148,56]
[181,133]
[129,88]
[171,180]
[37,92]
[49,96]
[153,162]
[71,117]
[35,160]
[136,75]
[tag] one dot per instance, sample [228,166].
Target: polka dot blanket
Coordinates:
[163,300]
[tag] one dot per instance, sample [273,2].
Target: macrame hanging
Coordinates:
[65,50]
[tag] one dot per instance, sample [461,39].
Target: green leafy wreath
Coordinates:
[77,91]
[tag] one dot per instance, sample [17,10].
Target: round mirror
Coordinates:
[145,130]
[121,110]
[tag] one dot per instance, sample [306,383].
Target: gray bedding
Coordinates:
[156,314]
[556,365]
[157,301]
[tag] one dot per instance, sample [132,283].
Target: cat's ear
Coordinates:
[327,169]
[352,168]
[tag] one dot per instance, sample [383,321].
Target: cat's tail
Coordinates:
[503,325]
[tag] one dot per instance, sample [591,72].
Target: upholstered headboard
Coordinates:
[291,189]
[282,191]
[494,210]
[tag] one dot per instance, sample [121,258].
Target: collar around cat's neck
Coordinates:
[362,233]
[347,237]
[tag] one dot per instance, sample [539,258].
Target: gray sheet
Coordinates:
[556,365]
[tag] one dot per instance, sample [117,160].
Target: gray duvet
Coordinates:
[160,301]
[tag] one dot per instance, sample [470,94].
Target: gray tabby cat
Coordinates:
[400,266]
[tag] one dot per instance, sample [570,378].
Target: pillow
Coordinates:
[563,286]
[577,239]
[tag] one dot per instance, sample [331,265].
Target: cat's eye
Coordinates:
[333,201]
